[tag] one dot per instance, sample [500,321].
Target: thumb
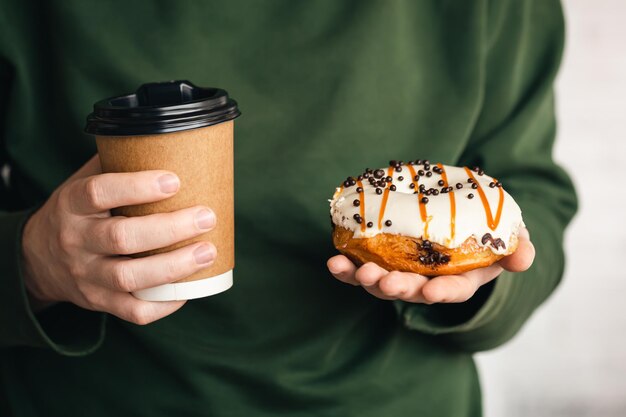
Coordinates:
[523,257]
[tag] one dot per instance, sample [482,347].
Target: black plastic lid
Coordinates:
[160,108]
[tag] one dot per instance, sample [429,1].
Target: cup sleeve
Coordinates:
[65,328]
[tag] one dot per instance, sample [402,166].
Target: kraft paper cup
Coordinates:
[201,156]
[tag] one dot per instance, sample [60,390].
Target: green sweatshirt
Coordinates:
[326,88]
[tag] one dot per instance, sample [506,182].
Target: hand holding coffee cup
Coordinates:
[75,251]
[188,130]
[149,224]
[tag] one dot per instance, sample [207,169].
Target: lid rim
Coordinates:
[161,108]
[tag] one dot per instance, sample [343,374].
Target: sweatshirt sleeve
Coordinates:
[513,140]
[64,328]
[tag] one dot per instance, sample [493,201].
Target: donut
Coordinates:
[431,219]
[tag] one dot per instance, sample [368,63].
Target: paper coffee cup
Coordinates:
[188,130]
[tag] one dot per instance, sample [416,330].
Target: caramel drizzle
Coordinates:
[383,204]
[444,177]
[361,205]
[491,222]
[422,206]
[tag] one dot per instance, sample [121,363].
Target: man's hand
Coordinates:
[75,251]
[417,288]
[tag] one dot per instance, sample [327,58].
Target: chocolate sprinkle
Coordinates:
[429,256]
[429,174]
[359,189]
[392,187]
[400,178]
[459,185]
[441,183]
[412,185]
[387,223]
[495,243]
[379,173]
[424,200]
[356,203]
[370,224]
[379,191]
[470,196]
[474,185]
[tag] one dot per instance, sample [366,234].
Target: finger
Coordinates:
[458,288]
[405,286]
[134,310]
[98,193]
[523,256]
[368,276]
[128,235]
[128,275]
[343,269]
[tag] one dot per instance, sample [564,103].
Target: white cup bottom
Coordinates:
[187,290]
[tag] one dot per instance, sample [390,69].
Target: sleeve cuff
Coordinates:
[438,319]
[65,328]
[497,311]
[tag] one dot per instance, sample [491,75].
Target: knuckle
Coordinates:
[140,315]
[66,238]
[93,193]
[173,227]
[118,237]
[171,270]
[76,270]
[123,278]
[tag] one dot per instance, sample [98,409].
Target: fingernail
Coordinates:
[204,254]
[168,183]
[205,219]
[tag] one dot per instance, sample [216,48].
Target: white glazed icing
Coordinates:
[403,209]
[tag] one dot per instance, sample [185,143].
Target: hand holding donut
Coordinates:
[397,226]
[415,288]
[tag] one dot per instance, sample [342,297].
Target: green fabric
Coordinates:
[326,88]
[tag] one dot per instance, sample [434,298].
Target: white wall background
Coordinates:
[570,358]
